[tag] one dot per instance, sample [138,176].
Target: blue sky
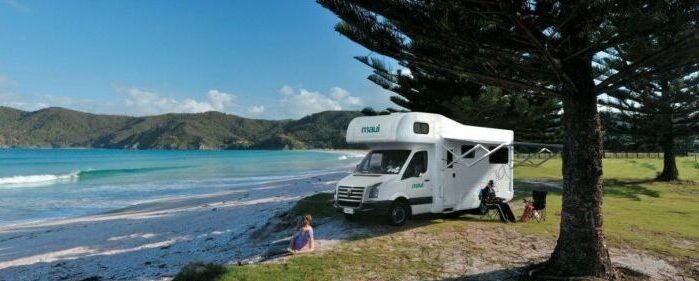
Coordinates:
[262,59]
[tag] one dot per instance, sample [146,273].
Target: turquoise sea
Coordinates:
[46,184]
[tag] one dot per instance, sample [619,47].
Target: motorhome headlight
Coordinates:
[374,190]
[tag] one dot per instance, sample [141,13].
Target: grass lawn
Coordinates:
[638,212]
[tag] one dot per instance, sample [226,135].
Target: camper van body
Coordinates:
[425,162]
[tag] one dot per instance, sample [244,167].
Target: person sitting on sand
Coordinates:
[488,196]
[302,241]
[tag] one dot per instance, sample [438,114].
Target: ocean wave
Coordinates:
[74,176]
[38,179]
[93,173]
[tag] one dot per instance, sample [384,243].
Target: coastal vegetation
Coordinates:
[63,128]
[641,214]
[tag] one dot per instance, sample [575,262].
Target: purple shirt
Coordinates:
[301,239]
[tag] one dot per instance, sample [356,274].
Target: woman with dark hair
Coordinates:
[488,197]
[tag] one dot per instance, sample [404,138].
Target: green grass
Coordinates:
[360,260]
[638,213]
[318,205]
[616,169]
[406,252]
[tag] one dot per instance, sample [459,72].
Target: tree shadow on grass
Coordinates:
[512,274]
[521,274]
[629,189]
[199,271]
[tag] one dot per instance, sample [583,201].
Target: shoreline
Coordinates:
[142,203]
[151,240]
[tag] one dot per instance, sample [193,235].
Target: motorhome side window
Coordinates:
[421,128]
[383,162]
[450,159]
[465,148]
[417,166]
[501,156]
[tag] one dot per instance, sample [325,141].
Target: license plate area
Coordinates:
[348,211]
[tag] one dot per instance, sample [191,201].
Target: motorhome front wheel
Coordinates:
[398,213]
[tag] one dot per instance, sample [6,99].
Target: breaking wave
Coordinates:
[73,176]
[38,179]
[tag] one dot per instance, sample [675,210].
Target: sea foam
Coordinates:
[38,179]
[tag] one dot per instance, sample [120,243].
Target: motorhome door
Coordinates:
[449,177]
[418,182]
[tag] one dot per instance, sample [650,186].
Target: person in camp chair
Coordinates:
[488,197]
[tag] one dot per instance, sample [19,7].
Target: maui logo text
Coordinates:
[371,129]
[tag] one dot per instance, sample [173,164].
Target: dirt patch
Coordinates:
[684,244]
[644,262]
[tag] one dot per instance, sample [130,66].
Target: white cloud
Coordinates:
[219,100]
[141,102]
[302,102]
[345,97]
[287,90]
[4,80]
[256,109]
[11,99]
[31,102]
[353,101]
[338,93]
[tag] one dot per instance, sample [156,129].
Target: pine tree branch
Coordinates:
[647,61]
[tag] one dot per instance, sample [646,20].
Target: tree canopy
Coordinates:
[537,119]
[659,107]
[544,48]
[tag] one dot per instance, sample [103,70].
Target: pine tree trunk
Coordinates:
[670,172]
[667,139]
[581,250]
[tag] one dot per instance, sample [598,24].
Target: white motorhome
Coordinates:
[423,163]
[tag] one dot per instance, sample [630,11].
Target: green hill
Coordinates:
[59,127]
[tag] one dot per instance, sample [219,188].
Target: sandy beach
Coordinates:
[152,241]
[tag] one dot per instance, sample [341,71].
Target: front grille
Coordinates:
[348,203]
[350,196]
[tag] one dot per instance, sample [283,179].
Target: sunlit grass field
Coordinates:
[639,213]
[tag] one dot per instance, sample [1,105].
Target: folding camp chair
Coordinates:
[539,204]
[489,211]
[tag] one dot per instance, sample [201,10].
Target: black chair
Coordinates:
[539,204]
[489,211]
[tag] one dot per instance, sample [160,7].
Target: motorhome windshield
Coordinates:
[383,162]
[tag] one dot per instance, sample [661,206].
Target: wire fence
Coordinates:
[608,155]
